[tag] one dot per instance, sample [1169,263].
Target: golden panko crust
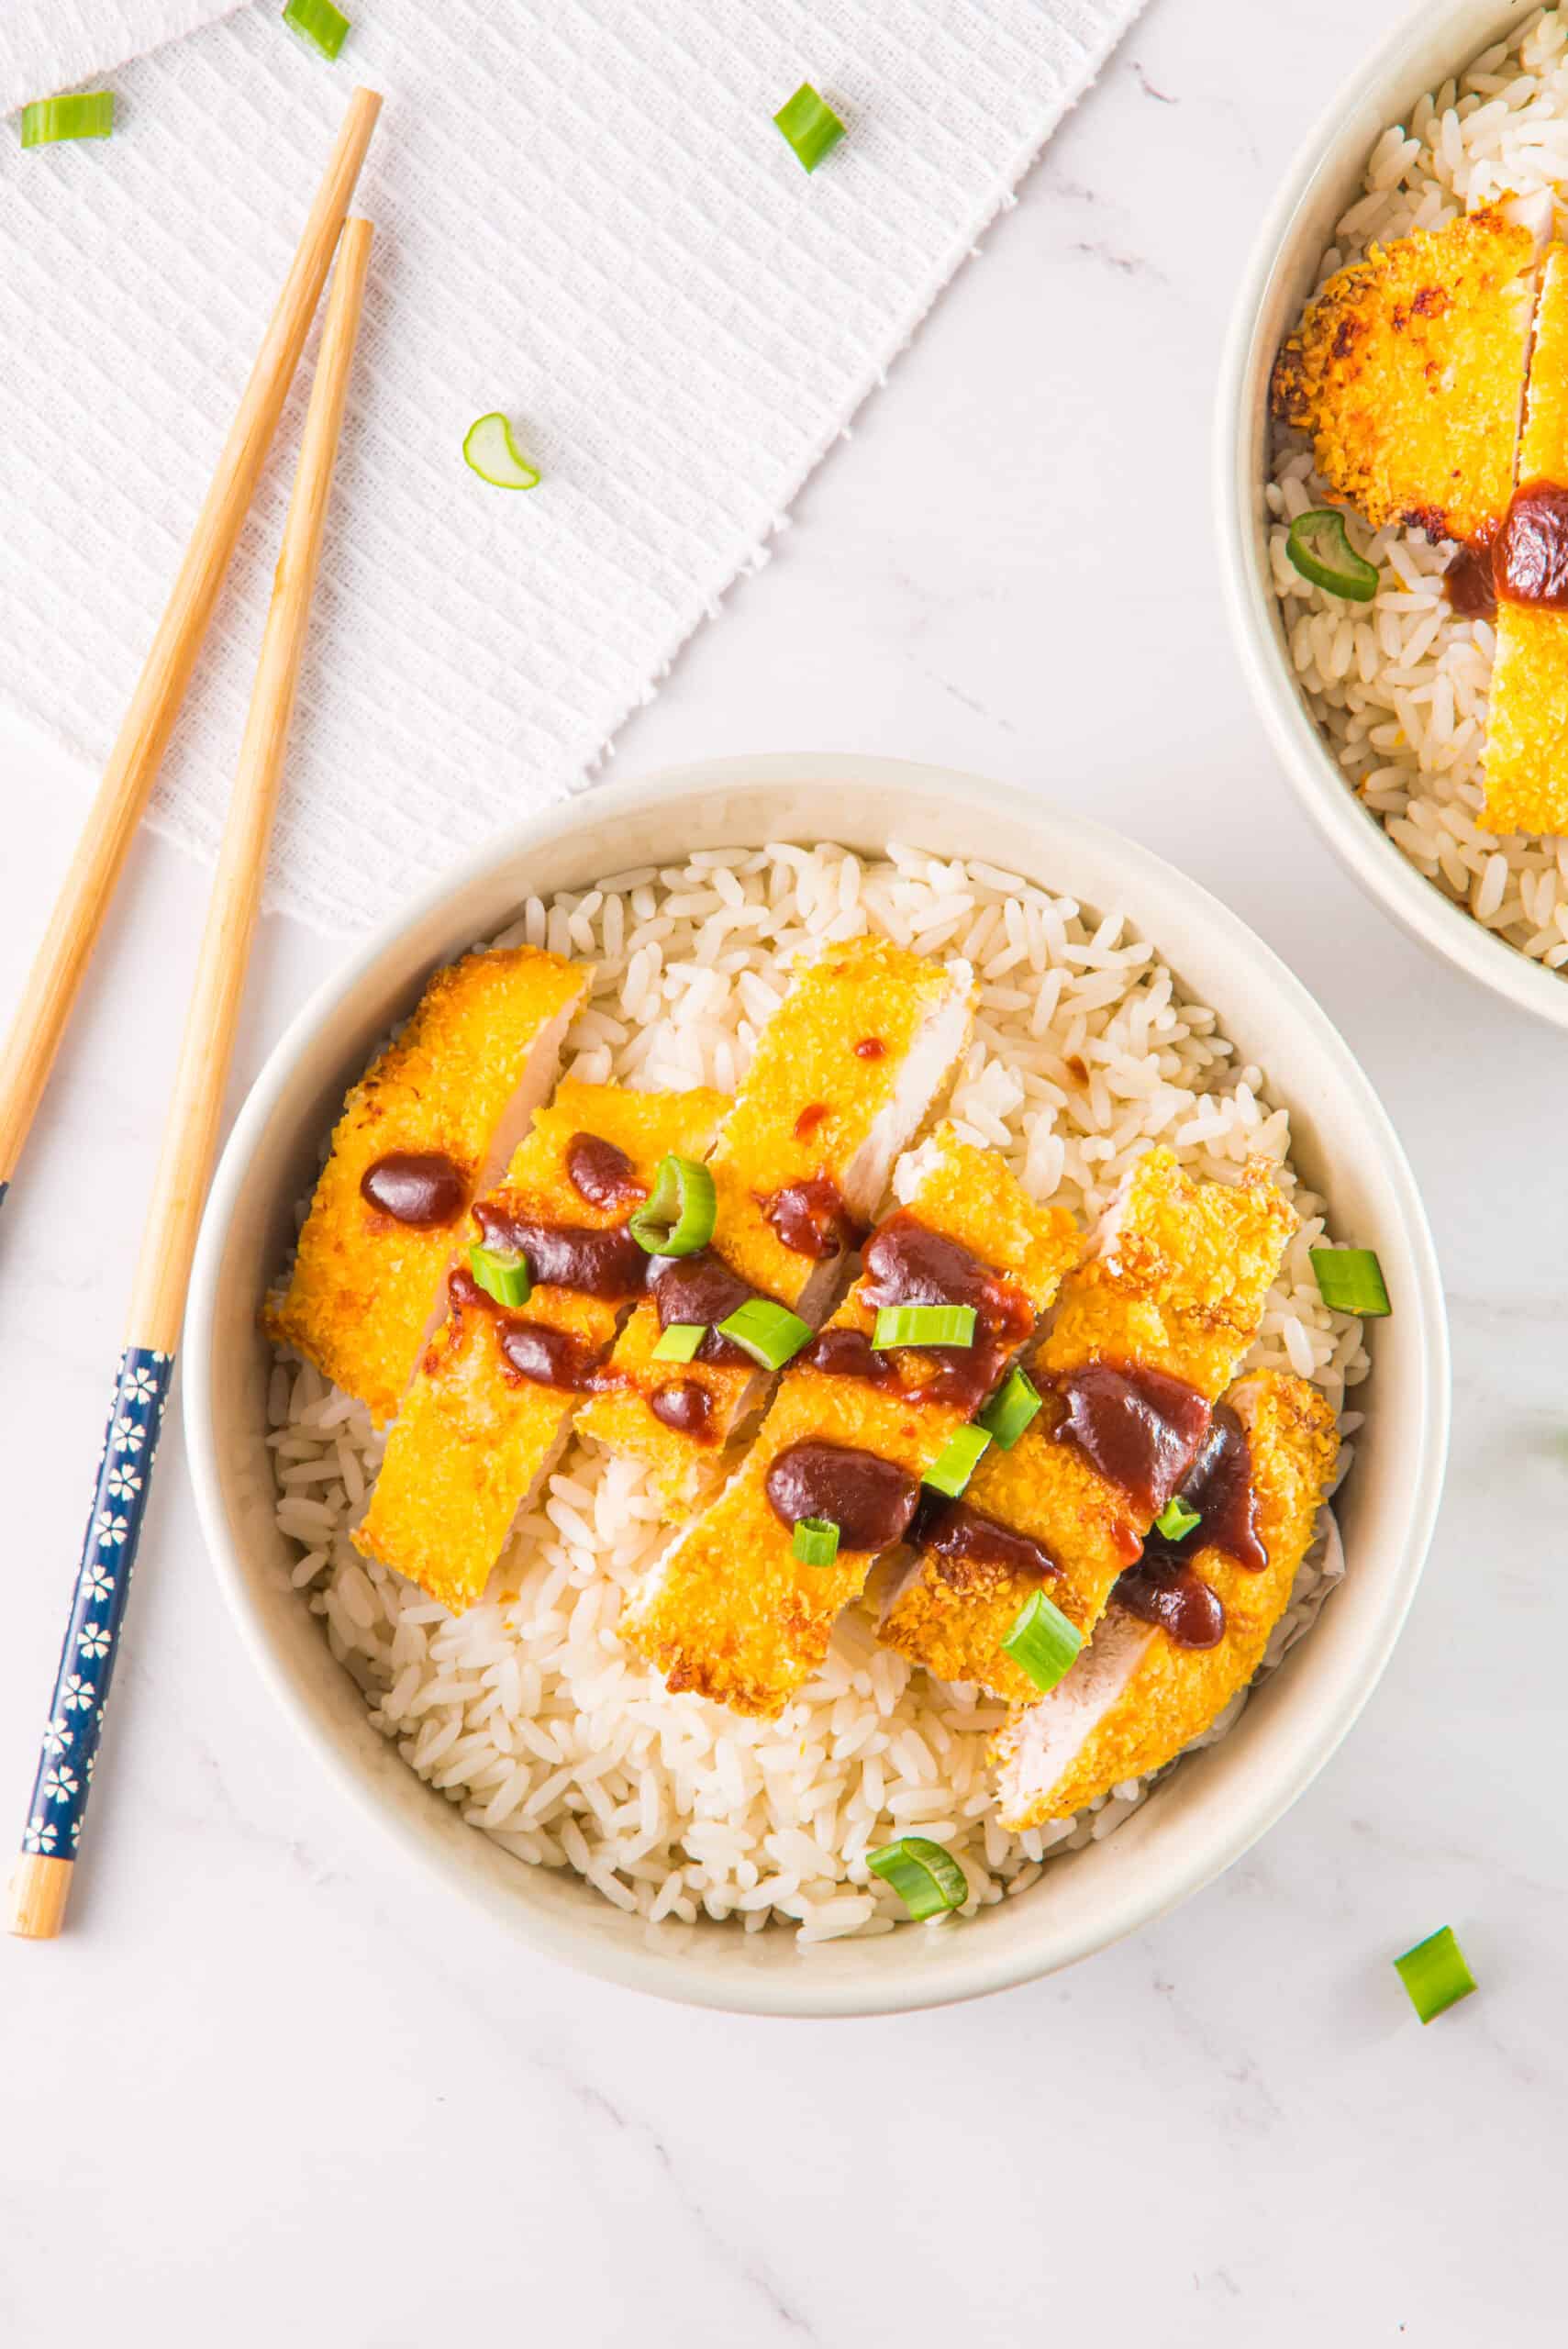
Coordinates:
[1527,727]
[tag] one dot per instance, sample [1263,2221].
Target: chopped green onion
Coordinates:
[500,1275]
[810,124]
[678,1215]
[1176,1520]
[1435,1973]
[680,1341]
[89,115]
[926,1879]
[816,1541]
[1011,1410]
[958,1461]
[770,1333]
[1350,1279]
[1043,1643]
[924,1325]
[489,449]
[1322,553]
[324,26]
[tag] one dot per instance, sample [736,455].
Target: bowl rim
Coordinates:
[970,1969]
[1383,873]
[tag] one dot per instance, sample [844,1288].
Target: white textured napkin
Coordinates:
[584,216]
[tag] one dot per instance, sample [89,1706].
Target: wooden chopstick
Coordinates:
[42,1883]
[89,884]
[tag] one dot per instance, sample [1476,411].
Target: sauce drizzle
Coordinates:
[685,1406]
[908,1264]
[608,1264]
[870,1501]
[422,1188]
[1140,1427]
[961,1535]
[810,1217]
[601,1173]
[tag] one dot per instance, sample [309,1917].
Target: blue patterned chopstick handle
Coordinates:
[108,1554]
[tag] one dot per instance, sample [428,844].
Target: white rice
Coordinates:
[1399,686]
[526,1712]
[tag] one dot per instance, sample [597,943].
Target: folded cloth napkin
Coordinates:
[586,217]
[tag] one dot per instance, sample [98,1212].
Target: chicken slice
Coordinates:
[1527,731]
[483,1422]
[730,1610]
[429,1125]
[1135,1699]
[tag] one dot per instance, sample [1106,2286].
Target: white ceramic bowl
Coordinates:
[1441,39]
[1214,1807]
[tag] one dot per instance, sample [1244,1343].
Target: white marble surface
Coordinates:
[264,2089]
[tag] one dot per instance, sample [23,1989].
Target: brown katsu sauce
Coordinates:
[601,1173]
[547,1357]
[701,1288]
[1166,1589]
[1469,583]
[959,1534]
[1140,1427]
[1529,554]
[848,1354]
[810,1217]
[606,1264]
[870,1501]
[810,1117]
[870,1047]
[423,1189]
[908,1264]
[684,1405]
[1220,1489]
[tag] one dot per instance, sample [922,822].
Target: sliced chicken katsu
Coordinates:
[1408,371]
[493,1399]
[1151,1329]
[1527,732]
[842,1074]
[731,1610]
[1188,1626]
[431,1122]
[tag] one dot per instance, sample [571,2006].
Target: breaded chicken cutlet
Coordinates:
[1174,1292]
[1407,370]
[1527,727]
[732,1611]
[1136,1696]
[843,1075]
[494,1398]
[431,1122]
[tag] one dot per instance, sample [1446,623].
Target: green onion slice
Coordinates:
[770,1333]
[816,1541]
[324,26]
[1322,553]
[926,1879]
[810,124]
[1350,1279]
[1176,1520]
[680,1341]
[958,1461]
[924,1325]
[1011,1410]
[1043,1643]
[89,115]
[500,1275]
[678,1215]
[1435,1973]
[491,452]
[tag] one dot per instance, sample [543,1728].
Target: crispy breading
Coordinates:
[1135,1699]
[1407,370]
[1527,728]
[480,1051]
[473,1436]
[1177,1282]
[805,1059]
[731,1611]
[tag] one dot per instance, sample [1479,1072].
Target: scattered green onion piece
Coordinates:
[1322,553]
[1043,1643]
[816,1541]
[1435,1973]
[1176,1520]
[1350,1279]
[926,1879]
[324,26]
[959,1459]
[680,1341]
[810,124]
[678,1215]
[504,1277]
[924,1325]
[770,1333]
[89,115]
[490,450]
[1011,1410]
